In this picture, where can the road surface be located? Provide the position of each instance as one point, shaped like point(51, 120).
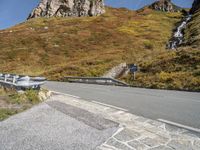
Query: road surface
point(174, 106)
point(55, 126)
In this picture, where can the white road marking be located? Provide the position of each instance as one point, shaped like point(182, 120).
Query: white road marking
point(115, 107)
point(66, 94)
point(179, 125)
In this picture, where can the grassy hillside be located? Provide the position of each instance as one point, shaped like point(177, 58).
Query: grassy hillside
point(175, 69)
point(57, 47)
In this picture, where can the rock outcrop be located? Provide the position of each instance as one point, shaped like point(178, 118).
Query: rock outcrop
point(117, 71)
point(195, 6)
point(68, 8)
point(165, 5)
point(192, 32)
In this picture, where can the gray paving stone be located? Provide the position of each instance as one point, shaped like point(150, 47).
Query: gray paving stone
point(118, 145)
point(104, 148)
point(137, 145)
point(127, 135)
point(153, 129)
point(196, 145)
point(151, 142)
point(173, 129)
point(162, 147)
point(141, 119)
point(155, 123)
point(192, 134)
point(180, 145)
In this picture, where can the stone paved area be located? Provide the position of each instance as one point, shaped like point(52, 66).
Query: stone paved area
point(135, 132)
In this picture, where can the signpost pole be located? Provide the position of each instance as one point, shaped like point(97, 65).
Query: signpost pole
point(134, 74)
point(133, 70)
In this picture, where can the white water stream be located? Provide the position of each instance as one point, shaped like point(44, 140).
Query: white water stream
point(178, 36)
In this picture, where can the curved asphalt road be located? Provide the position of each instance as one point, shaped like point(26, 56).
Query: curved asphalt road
point(175, 106)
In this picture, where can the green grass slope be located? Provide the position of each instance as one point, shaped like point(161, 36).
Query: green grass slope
point(178, 70)
point(57, 47)
point(175, 69)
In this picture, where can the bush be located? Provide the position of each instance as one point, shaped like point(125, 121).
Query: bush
point(5, 113)
point(32, 96)
point(12, 102)
point(148, 45)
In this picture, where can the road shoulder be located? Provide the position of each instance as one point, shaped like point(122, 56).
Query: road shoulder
point(136, 132)
point(68, 122)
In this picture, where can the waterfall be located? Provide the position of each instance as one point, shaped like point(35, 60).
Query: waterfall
point(178, 36)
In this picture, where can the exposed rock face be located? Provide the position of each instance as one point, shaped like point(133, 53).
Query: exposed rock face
point(165, 5)
point(68, 8)
point(195, 6)
point(117, 71)
point(192, 32)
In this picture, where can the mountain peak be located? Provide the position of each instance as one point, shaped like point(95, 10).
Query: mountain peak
point(68, 8)
point(165, 5)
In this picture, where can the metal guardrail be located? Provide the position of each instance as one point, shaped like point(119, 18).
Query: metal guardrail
point(20, 82)
point(95, 80)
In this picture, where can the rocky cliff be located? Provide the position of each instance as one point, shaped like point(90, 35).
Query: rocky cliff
point(165, 5)
point(192, 32)
point(195, 6)
point(68, 8)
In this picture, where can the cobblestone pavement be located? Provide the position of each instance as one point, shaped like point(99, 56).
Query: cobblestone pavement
point(136, 132)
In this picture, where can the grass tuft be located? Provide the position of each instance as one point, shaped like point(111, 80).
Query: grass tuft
point(12, 102)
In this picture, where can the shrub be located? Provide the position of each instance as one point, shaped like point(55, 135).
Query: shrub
point(32, 96)
point(13, 102)
point(148, 45)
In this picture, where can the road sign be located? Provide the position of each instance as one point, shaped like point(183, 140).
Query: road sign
point(133, 68)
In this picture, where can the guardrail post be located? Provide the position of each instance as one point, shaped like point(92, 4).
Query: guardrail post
point(5, 78)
